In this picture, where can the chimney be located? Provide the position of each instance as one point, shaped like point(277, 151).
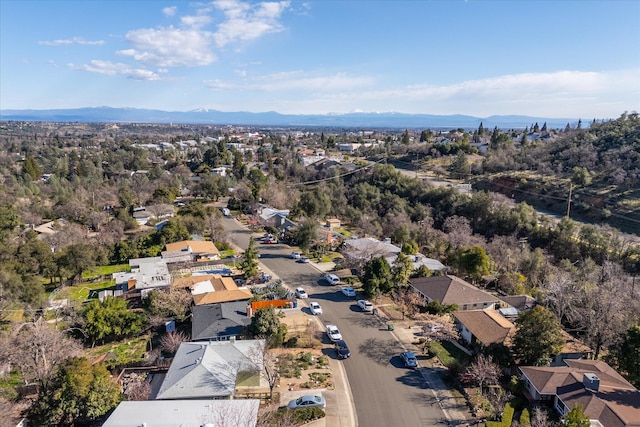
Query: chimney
point(591, 381)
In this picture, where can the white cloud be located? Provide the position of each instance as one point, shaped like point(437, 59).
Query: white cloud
point(553, 94)
point(170, 47)
point(190, 44)
point(116, 69)
point(73, 40)
point(248, 22)
point(294, 80)
point(195, 21)
point(170, 11)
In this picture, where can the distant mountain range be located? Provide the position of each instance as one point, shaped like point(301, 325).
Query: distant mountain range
point(349, 120)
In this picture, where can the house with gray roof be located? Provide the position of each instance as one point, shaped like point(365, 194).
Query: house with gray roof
point(367, 248)
point(214, 321)
point(146, 275)
point(204, 412)
point(215, 370)
point(449, 289)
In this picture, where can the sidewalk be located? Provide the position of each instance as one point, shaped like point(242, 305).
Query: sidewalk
point(453, 404)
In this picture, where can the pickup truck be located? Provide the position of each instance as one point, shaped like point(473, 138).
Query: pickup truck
point(365, 305)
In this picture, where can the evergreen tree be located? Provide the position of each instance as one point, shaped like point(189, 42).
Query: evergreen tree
point(78, 394)
point(250, 262)
point(31, 168)
point(377, 278)
point(576, 417)
point(538, 337)
point(406, 139)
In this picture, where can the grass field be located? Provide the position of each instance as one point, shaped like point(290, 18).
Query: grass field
point(104, 270)
point(126, 351)
point(84, 291)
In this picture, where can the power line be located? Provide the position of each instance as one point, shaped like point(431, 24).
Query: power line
point(316, 181)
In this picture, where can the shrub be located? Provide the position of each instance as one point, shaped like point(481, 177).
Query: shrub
point(525, 419)
point(507, 417)
point(305, 415)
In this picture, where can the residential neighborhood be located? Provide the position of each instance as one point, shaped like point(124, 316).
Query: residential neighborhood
point(228, 286)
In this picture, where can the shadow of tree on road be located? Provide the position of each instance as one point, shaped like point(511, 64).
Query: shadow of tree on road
point(364, 320)
point(380, 351)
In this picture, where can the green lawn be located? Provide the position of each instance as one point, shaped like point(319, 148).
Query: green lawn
point(441, 353)
point(8, 384)
point(127, 351)
point(84, 291)
point(104, 270)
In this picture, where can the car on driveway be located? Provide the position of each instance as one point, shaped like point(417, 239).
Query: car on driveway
point(307, 402)
point(348, 291)
point(333, 333)
point(295, 255)
point(332, 279)
point(315, 308)
point(342, 349)
point(409, 359)
point(365, 305)
point(301, 293)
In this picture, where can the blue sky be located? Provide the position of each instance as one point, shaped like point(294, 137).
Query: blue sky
point(578, 59)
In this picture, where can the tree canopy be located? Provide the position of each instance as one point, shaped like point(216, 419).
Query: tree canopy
point(538, 337)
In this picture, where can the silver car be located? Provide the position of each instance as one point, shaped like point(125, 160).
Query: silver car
point(307, 402)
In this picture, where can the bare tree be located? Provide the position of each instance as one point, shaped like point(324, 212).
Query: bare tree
point(459, 231)
point(231, 413)
point(498, 398)
point(407, 300)
point(262, 356)
point(36, 348)
point(138, 389)
point(437, 328)
point(171, 302)
point(216, 229)
point(600, 312)
point(540, 418)
point(560, 294)
point(482, 371)
point(171, 341)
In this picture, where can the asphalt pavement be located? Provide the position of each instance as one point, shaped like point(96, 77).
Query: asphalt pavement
point(372, 387)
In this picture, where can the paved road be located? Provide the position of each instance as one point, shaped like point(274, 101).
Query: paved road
point(385, 393)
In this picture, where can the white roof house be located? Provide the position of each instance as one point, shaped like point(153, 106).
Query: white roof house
point(213, 370)
point(146, 274)
point(206, 412)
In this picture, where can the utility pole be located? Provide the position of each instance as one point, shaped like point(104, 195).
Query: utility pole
point(569, 199)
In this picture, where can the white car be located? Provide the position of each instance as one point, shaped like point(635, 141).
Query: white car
point(333, 333)
point(332, 279)
point(301, 293)
point(315, 308)
point(295, 255)
point(365, 305)
point(348, 291)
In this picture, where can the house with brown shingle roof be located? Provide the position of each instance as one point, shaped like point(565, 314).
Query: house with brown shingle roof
point(481, 328)
point(224, 289)
point(448, 290)
point(191, 250)
point(606, 397)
